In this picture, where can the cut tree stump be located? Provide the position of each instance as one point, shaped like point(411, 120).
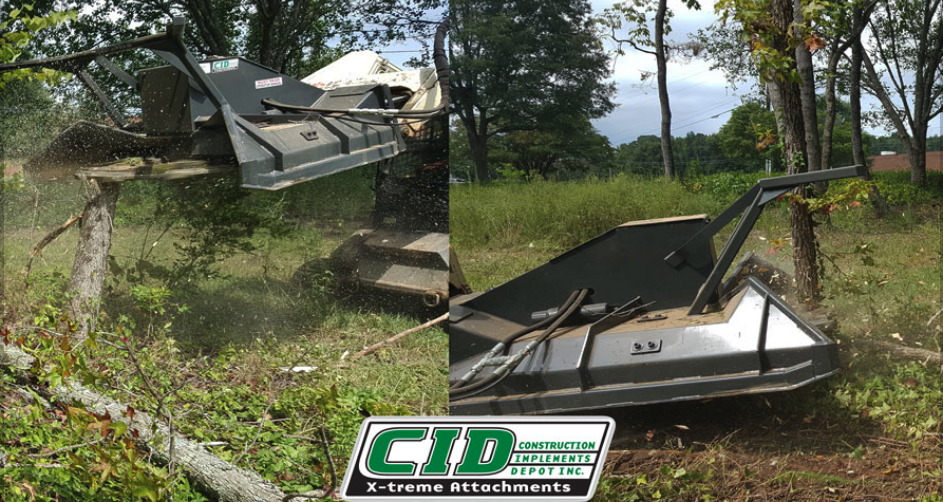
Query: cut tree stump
point(217, 479)
point(91, 256)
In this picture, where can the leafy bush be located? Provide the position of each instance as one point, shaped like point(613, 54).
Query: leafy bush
point(906, 401)
point(896, 187)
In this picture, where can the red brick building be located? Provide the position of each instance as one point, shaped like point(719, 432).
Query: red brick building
point(901, 163)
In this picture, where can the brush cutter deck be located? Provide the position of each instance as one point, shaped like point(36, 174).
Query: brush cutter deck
point(641, 331)
point(204, 117)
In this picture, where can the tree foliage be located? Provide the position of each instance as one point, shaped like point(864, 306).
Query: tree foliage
point(747, 134)
point(518, 63)
point(294, 37)
point(18, 28)
point(573, 146)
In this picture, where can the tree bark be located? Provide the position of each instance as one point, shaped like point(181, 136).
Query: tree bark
point(214, 477)
point(828, 126)
point(479, 155)
point(661, 57)
point(918, 155)
point(793, 133)
point(813, 151)
point(91, 256)
point(857, 145)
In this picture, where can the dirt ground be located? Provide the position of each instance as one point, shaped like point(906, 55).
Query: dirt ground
point(885, 471)
point(799, 445)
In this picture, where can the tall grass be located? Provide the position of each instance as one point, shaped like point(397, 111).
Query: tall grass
point(563, 214)
point(558, 215)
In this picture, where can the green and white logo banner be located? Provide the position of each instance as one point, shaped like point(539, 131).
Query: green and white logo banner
point(478, 458)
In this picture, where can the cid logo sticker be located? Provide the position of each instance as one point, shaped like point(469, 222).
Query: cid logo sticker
point(478, 458)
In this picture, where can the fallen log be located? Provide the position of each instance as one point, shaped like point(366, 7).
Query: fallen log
point(374, 347)
point(921, 355)
point(217, 479)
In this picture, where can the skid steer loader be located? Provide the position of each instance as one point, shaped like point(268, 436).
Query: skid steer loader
point(231, 116)
point(639, 315)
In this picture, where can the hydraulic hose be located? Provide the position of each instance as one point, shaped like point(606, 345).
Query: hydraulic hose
point(505, 369)
point(506, 342)
point(439, 110)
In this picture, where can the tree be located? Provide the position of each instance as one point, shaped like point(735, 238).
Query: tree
point(840, 137)
point(91, 256)
point(907, 43)
point(290, 36)
point(770, 25)
point(844, 31)
point(744, 135)
point(571, 144)
point(642, 156)
point(639, 38)
point(460, 164)
point(519, 63)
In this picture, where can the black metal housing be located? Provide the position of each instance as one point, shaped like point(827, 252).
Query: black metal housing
point(758, 344)
point(663, 343)
point(213, 111)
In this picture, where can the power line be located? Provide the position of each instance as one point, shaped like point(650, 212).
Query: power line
point(641, 98)
point(686, 76)
point(696, 114)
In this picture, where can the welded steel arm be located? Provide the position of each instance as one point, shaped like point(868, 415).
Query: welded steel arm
point(750, 205)
point(168, 45)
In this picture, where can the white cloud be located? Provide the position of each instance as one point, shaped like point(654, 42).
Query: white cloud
point(696, 92)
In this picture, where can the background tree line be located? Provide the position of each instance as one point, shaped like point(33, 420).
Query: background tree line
point(523, 100)
point(578, 151)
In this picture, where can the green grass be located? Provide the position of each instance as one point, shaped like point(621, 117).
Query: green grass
point(552, 215)
point(219, 343)
point(503, 230)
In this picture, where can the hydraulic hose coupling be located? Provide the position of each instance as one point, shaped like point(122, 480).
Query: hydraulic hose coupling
point(480, 365)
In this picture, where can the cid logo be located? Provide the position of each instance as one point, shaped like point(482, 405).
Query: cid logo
point(519, 459)
point(498, 442)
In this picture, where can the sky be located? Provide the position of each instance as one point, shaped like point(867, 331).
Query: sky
point(696, 92)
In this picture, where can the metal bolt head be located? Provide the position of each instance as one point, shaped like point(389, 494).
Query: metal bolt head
point(652, 344)
point(637, 346)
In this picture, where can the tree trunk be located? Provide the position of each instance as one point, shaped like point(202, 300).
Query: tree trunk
point(214, 477)
point(479, 155)
point(91, 256)
point(803, 236)
point(812, 150)
point(661, 58)
point(828, 126)
point(793, 133)
point(476, 128)
point(918, 157)
point(857, 145)
point(854, 95)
